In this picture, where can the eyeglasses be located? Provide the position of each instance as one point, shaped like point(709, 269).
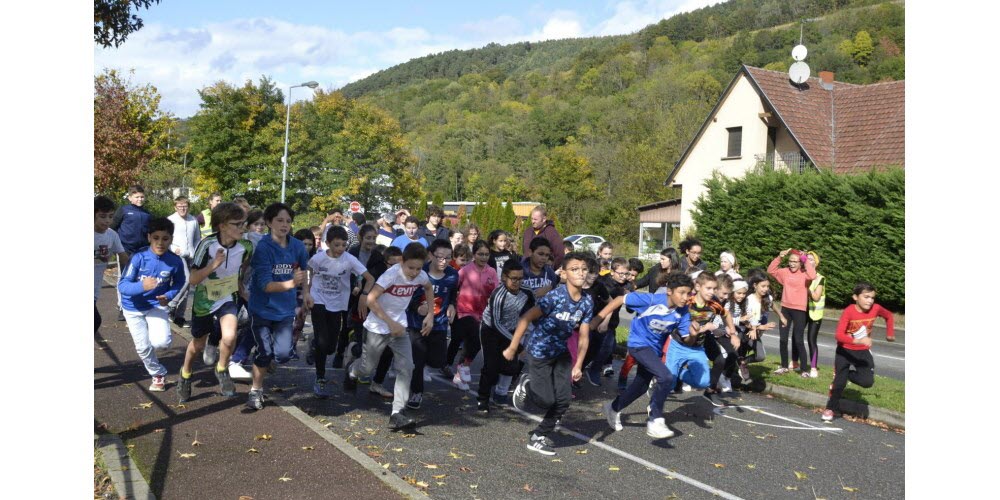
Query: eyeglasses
point(439, 257)
point(240, 224)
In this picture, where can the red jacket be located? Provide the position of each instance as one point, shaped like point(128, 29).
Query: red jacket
point(549, 232)
point(852, 320)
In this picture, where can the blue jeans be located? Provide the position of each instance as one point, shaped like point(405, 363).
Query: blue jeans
point(697, 372)
point(273, 339)
point(650, 366)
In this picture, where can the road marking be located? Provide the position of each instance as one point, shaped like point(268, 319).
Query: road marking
point(611, 449)
point(828, 346)
point(802, 425)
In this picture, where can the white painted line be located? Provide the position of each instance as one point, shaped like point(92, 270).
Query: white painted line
point(802, 425)
point(611, 449)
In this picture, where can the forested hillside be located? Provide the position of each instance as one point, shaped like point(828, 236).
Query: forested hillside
point(591, 126)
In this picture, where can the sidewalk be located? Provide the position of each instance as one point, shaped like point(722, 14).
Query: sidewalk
point(298, 458)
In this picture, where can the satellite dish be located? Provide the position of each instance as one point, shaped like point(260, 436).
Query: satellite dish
point(798, 73)
point(799, 52)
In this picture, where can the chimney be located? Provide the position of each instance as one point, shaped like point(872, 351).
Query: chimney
point(826, 79)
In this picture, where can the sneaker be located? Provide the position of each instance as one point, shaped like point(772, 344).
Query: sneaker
point(795, 366)
point(210, 355)
point(608, 370)
point(237, 372)
point(294, 356)
point(500, 398)
point(827, 415)
point(179, 321)
point(466, 373)
point(400, 420)
point(614, 417)
point(226, 384)
point(593, 376)
point(255, 400)
point(457, 380)
point(365, 380)
point(483, 406)
point(381, 391)
point(725, 385)
point(183, 389)
point(415, 399)
point(350, 383)
point(338, 361)
point(427, 376)
point(446, 371)
point(320, 389)
point(658, 429)
point(713, 398)
point(804, 374)
point(744, 372)
point(158, 384)
point(686, 388)
point(813, 373)
point(520, 398)
point(538, 443)
point(781, 371)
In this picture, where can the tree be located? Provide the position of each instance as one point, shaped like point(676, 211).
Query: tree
point(114, 20)
point(863, 48)
point(129, 131)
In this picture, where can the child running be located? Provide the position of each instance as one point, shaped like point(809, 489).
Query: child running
point(604, 334)
point(385, 327)
point(547, 382)
point(476, 282)
point(504, 309)
point(220, 263)
point(327, 297)
point(656, 317)
point(153, 277)
point(854, 343)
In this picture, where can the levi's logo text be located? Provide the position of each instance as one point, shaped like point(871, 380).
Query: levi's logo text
point(402, 290)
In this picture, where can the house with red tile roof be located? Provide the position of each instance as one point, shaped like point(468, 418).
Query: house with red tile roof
point(763, 120)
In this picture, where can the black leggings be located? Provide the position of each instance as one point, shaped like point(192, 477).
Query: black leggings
point(812, 335)
point(328, 327)
point(465, 333)
point(494, 364)
point(797, 323)
point(427, 350)
point(864, 374)
point(723, 356)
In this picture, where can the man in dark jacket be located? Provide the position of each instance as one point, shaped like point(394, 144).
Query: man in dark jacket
point(542, 226)
point(131, 222)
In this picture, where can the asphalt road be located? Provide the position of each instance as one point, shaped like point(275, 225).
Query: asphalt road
point(762, 448)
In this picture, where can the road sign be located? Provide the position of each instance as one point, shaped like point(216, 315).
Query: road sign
point(355, 206)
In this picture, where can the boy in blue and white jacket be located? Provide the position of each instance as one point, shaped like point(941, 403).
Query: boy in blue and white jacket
point(154, 276)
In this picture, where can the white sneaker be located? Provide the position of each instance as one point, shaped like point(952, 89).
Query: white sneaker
point(724, 384)
point(210, 355)
point(466, 373)
point(614, 417)
point(378, 389)
point(813, 373)
point(686, 388)
point(237, 372)
point(658, 429)
point(457, 380)
point(427, 376)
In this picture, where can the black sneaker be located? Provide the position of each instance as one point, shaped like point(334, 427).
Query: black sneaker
point(593, 375)
point(338, 361)
point(499, 399)
point(713, 398)
point(226, 384)
point(183, 389)
point(608, 370)
point(415, 400)
point(483, 406)
point(446, 371)
point(520, 398)
point(541, 445)
point(179, 321)
point(255, 400)
point(400, 420)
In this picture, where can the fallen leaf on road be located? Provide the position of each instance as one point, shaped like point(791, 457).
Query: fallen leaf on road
point(186, 455)
point(528, 488)
point(719, 466)
point(422, 484)
point(429, 466)
point(158, 430)
point(253, 450)
point(263, 437)
point(397, 449)
point(581, 452)
point(465, 469)
point(751, 466)
point(557, 460)
point(284, 478)
point(385, 466)
point(195, 442)
point(473, 486)
point(440, 483)
point(792, 488)
point(245, 497)
point(143, 406)
point(179, 406)
point(446, 433)
point(800, 475)
point(454, 455)
point(848, 488)
point(323, 420)
point(308, 448)
point(613, 468)
point(408, 436)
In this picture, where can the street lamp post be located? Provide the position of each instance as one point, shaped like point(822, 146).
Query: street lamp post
point(288, 114)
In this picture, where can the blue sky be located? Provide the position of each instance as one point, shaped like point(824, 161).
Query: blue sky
point(186, 45)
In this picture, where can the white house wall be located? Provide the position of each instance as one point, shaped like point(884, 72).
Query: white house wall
point(741, 108)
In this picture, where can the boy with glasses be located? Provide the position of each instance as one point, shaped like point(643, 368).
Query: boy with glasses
point(505, 307)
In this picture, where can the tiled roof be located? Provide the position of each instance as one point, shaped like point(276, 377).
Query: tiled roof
point(868, 119)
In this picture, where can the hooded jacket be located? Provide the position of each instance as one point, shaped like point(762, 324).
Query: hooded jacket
point(550, 233)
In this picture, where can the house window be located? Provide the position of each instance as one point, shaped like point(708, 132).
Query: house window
point(735, 142)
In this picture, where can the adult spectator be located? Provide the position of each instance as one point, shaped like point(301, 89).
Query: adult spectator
point(433, 230)
point(401, 216)
point(205, 217)
point(385, 231)
point(669, 262)
point(541, 225)
point(187, 234)
point(691, 250)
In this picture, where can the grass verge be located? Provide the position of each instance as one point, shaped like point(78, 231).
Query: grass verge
point(104, 488)
point(887, 393)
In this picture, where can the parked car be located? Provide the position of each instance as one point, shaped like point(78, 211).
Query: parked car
point(583, 242)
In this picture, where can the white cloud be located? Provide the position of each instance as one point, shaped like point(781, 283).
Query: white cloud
point(631, 16)
point(562, 24)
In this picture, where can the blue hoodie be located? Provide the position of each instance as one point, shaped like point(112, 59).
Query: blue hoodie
point(271, 262)
point(168, 269)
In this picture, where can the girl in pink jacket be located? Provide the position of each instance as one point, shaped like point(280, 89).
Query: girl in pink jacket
point(794, 304)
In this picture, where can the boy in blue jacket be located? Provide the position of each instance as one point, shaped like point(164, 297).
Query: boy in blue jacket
point(153, 277)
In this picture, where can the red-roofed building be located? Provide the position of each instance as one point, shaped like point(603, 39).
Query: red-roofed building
point(763, 119)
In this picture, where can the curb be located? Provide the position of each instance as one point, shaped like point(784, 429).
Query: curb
point(124, 473)
point(888, 417)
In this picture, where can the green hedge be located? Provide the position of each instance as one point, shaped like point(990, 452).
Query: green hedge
point(854, 222)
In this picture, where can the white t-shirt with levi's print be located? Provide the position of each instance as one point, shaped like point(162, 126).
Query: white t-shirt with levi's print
point(395, 298)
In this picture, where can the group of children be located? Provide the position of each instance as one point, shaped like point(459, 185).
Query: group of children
point(374, 307)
